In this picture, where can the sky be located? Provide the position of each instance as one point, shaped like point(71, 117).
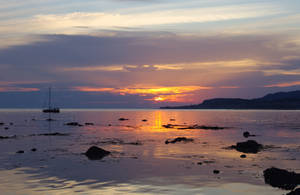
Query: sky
point(146, 53)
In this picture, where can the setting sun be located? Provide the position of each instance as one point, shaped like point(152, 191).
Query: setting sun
point(159, 99)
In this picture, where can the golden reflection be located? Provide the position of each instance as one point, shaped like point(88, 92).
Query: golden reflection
point(158, 120)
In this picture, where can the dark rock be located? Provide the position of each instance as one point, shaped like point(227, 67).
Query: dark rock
point(246, 134)
point(6, 128)
point(281, 178)
point(109, 125)
point(295, 192)
point(11, 123)
point(20, 152)
point(95, 153)
point(199, 163)
point(33, 149)
point(243, 156)
point(53, 134)
point(179, 139)
point(216, 171)
point(123, 119)
point(209, 161)
point(2, 123)
point(249, 146)
point(8, 137)
point(168, 126)
point(144, 120)
point(89, 124)
point(172, 119)
point(73, 124)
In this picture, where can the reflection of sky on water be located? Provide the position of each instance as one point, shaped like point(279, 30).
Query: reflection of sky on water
point(154, 167)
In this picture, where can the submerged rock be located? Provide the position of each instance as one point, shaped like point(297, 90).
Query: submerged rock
point(2, 123)
point(73, 124)
point(249, 146)
point(179, 139)
point(144, 120)
point(89, 124)
point(33, 149)
point(53, 134)
point(95, 153)
point(182, 127)
point(123, 119)
point(20, 152)
point(243, 156)
point(281, 178)
point(216, 171)
point(8, 137)
point(246, 134)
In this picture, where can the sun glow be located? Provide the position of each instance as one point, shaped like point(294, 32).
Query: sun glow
point(158, 99)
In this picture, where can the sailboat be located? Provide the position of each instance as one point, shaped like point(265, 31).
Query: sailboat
point(50, 109)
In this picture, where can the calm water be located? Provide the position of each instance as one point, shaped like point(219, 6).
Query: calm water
point(58, 166)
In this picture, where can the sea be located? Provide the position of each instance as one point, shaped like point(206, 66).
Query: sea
point(38, 156)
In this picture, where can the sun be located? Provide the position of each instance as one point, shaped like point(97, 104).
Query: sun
point(159, 99)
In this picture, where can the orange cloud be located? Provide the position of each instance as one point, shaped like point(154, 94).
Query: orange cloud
point(287, 84)
point(174, 94)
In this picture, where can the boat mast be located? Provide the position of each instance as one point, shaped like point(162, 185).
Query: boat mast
point(49, 102)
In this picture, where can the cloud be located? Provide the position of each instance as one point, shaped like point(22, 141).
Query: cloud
point(284, 84)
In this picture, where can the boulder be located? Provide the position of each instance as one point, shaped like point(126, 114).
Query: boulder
point(249, 146)
point(295, 192)
point(281, 178)
point(95, 153)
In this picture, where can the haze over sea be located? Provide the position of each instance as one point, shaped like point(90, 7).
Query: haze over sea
point(140, 162)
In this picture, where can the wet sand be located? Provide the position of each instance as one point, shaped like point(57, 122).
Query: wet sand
point(140, 161)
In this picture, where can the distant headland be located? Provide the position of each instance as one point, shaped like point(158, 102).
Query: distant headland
point(277, 101)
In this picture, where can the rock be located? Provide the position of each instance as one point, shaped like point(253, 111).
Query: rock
point(109, 125)
point(95, 153)
point(144, 120)
point(2, 123)
point(8, 137)
point(11, 123)
point(246, 134)
point(243, 156)
point(33, 149)
point(6, 128)
point(52, 134)
point(73, 124)
point(295, 192)
point(179, 139)
point(172, 119)
point(216, 171)
point(89, 124)
point(281, 178)
point(123, 119)
point(20, 152)
point(199, 163)
point(249, 146)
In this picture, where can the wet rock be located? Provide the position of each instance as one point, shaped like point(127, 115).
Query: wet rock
point(199, 163)
point(209, 161)
point(11, 123)
point(216, 171)
point(168, 126)
point(95, 153)
point(281, 178)
point(109, 125)
point(33, 149)
point(73, 124)
point(53, 134)
point(123, 119)
point(2, 123)
point(144, 120)
point(295, 192)
point(89, 124)
point(8, 137)
point(243, 156)
point(246, 134)
point(20, 152)
point(182, 127)
point(179, 139)
point(249, 146)
point(6, 128)
point(172, 119)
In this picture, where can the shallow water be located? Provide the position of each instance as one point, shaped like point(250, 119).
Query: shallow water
point(58, 166)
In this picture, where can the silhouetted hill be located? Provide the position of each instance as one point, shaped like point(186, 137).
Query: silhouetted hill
point(280, 101)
